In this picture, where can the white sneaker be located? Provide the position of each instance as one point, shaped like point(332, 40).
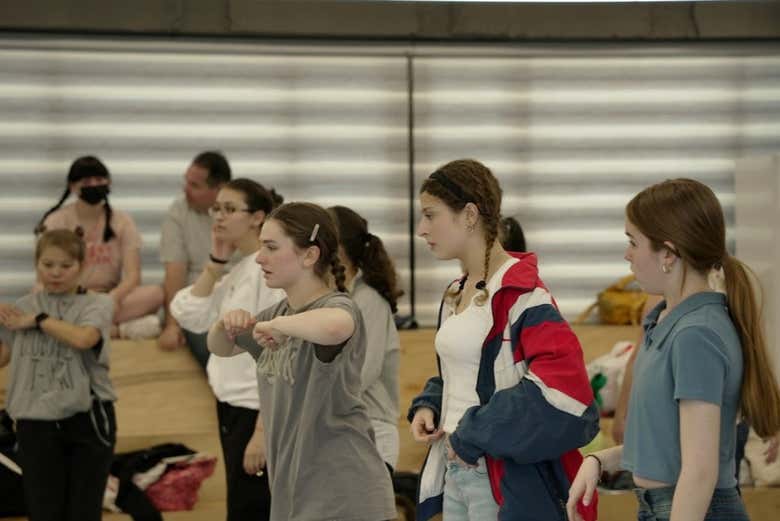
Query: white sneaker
point(140, 328)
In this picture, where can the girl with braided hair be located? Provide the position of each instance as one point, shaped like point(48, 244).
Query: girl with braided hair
point(512, 403)
point(372, 283)
point(321, 459)
point(113, 257)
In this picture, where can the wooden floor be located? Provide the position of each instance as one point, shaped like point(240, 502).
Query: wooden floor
point(164, 397)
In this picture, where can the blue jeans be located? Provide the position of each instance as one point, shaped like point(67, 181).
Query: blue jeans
point(656, 505)
point(467, 494)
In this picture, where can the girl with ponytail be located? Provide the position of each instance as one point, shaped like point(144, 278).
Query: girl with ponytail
point(372, 282)
point(310, 349)
point(512, 403)
point(702, 364)
point(113, 262)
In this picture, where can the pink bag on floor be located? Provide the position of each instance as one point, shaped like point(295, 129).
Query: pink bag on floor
point(177, 489)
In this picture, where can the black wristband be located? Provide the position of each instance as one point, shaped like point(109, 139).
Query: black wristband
point(40, 317)
point(216, 260)
point(601, 465)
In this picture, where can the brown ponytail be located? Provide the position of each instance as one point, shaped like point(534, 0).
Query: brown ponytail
point(687, 213)
point(367, 253)
point(760, 398)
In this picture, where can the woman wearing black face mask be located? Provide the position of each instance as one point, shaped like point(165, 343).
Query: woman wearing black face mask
point(113, 263)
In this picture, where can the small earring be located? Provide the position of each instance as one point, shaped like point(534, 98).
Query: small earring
point(665, 268)
point(470, 228)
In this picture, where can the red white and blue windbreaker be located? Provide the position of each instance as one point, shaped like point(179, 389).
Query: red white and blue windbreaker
point(536, 407)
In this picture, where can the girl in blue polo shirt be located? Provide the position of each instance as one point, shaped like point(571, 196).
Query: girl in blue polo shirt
point(703, 362)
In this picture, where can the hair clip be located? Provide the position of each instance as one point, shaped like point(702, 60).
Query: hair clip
point(314, 233)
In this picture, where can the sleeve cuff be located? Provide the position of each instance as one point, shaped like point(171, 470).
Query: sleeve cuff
point(423, 403)
point(465, 451)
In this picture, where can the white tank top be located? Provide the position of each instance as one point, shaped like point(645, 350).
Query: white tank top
point(459, 346)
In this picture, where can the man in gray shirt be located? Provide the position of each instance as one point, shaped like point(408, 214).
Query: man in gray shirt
point(185, 242)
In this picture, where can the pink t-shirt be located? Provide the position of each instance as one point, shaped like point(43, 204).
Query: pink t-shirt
point(103, 269)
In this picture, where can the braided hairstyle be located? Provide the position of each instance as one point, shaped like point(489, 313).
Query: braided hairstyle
point(83, 167)
point(308, 225)
point(466, 181)
point(367, 252)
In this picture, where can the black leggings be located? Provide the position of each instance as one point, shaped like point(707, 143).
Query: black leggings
point(65, 464)
point(248, 497)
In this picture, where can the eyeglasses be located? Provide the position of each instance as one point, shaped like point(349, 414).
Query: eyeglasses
point(226, 210)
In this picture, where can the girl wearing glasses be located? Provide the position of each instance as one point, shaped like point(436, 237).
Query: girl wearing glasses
point(239, 212)
point(113, 257)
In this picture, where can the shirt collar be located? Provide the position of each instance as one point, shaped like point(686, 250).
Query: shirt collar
point(655, 333)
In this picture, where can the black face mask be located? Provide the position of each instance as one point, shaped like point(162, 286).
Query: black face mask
point(93, 194)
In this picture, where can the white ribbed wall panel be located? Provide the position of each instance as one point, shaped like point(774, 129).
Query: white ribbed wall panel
point(328, 128)
point(572, 131)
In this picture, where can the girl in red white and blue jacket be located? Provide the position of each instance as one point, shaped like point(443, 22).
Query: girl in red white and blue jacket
point(512, 403)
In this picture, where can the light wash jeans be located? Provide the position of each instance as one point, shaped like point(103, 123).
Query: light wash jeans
point(656, 505)
point(467, 494)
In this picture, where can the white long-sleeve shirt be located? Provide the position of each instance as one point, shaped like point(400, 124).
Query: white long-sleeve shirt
point(233, 379)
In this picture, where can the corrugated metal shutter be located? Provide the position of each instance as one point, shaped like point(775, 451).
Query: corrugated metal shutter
point(572, 131)
point(329, 128)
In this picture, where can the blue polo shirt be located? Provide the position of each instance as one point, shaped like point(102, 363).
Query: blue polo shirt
point(694, 353)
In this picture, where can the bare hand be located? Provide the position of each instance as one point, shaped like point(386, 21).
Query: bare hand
point(269, 337)
point(254, 454)
point(423, 428)
point(171, 338)
point(14, 319)
point(453, 456)
point(583, 487)
point(237, 322)
point(770, 454)
point(5, 355)
point(221, 248)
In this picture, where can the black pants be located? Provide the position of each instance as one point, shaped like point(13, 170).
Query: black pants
point(198, 346)
point(248, 496)
point(65, 464)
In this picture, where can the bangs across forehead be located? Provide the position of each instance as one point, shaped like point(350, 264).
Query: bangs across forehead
point(85, 167)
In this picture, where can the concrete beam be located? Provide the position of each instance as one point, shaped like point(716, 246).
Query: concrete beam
point(398, 20)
